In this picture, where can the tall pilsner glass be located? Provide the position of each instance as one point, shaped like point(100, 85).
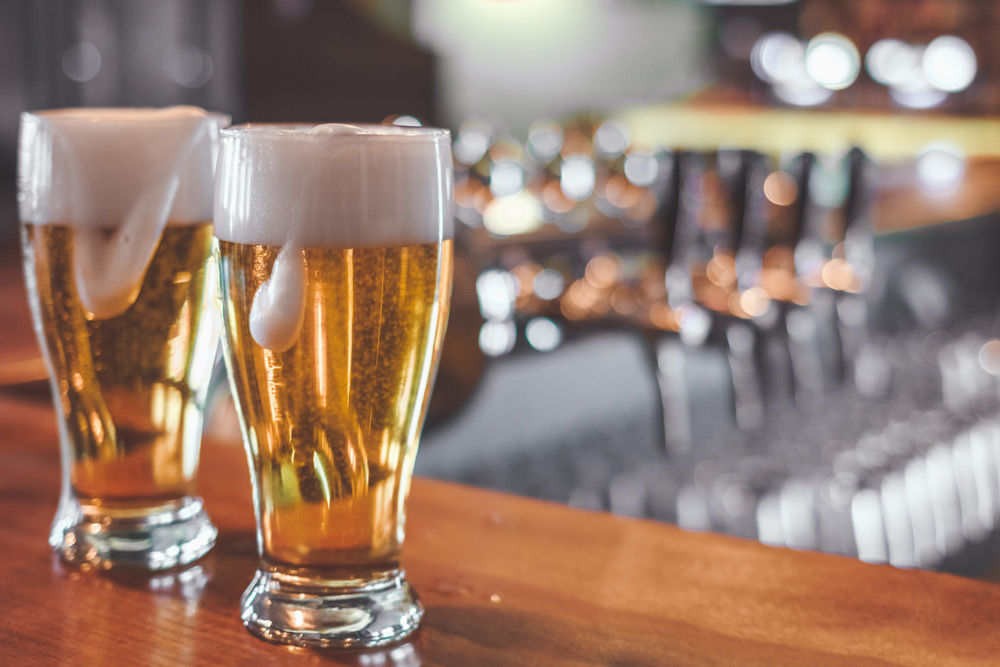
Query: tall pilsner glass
point(335, 257)
point(116, 233)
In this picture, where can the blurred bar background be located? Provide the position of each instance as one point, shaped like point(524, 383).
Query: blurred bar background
point(729, 264)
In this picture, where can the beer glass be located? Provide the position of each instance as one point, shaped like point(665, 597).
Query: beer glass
point(116, 234)
point(335, 259)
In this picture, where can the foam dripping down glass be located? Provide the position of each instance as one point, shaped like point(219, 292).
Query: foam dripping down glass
point(335, 264)
point(116, 232)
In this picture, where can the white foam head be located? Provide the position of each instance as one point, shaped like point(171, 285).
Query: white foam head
point(124, 171)
point(91, 167)
point(334, 185)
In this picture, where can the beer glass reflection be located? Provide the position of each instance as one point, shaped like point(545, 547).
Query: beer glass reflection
point(116, 236)
point(335, 265)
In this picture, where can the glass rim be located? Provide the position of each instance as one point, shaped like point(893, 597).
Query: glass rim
point(120, 115)
point(306, 131)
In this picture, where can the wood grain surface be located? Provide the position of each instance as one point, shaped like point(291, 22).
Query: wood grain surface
point(505, 581)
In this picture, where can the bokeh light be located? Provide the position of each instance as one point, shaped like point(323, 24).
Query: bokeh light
point(892, 61)
point(602, 270)
point(949, 63)
point(610, 139)
point(694, 323)
point(516, 214)
point(780, 188)
point(473, 140)
point(506, 178)
point(832, 60)
point(641, 169)
point(755, 301)
point(940, 166)
point(777, 56)
point(497, 338)
point(189, 66)
point(548, 284)
point(545, 139)
point(81, 62)
point(577, 177)
point(497, 290)
point(780, 59)
point(543, 334)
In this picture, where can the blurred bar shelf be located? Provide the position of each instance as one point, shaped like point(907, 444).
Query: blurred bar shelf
point(883, 135)
point(894, 140)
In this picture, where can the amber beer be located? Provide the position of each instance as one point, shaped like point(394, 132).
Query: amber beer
point(335, 259)
point(335, 418)
point(117, 243)
point(129, 384)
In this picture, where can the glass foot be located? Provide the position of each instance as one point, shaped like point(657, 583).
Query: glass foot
point(154, 539)
point(290, 610)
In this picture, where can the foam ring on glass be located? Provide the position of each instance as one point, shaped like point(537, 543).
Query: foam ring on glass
point(116, 209)
point(335, 262)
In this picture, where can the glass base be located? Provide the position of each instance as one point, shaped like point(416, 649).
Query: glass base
point(291, 610)
point(156, 538)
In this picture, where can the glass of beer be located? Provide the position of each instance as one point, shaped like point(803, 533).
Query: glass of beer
point(116, 234)
point(335, 259)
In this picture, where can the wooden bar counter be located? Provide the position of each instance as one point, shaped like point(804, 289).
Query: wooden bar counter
point(505, 581)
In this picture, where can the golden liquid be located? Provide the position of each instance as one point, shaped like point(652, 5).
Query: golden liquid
point(332, 423)
point(131, 388)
